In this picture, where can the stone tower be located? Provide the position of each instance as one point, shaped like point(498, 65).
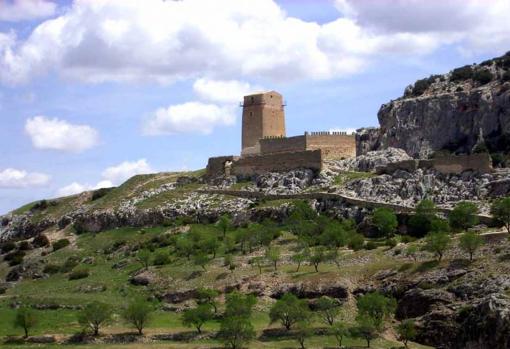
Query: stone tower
point(263, 116)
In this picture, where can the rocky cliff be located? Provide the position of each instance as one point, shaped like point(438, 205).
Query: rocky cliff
point(455, 112)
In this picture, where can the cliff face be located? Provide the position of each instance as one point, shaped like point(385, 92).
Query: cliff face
point(451, 112)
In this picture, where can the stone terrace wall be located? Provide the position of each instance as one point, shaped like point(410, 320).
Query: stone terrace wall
point(281, 144)
point(216, 166)
point(334, 145)
point(278, 162)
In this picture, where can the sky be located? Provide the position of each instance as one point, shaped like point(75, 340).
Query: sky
point(93, 92)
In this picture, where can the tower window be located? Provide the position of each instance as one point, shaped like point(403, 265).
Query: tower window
point(252, 99)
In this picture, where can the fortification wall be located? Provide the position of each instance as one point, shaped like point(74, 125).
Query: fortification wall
point(218, 166)
point(334, 145)
point(281, 144)
point(445, 164)
point(277, 162)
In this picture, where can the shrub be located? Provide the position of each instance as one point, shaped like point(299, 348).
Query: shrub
point(161, 258)
point(356, 242)
point(7, 247)
point(462, 73)
point(420, 87)
point(59, 244)
point(459, 89)
point(99, 193)
point(463, 216)
point(506, 76)
point(51, 269)
point(14, 258)
point(483, 76)
point(79, 274)
point(41, 241)
point(70, 264)
point(500, 210)
point(385, 220)
point(391, 243)
point(370, 245)
point(407, 239)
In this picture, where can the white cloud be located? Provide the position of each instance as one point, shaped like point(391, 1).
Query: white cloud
point(119, 173)
point(58, 134)
point(164, 41)
point(112, 176)
point(190, 117)
point(223, 91)
point(21, 10)
point(13, 178)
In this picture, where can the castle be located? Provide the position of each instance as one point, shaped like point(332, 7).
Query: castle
point(266, 148)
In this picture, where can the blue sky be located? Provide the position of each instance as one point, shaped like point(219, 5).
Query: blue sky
point(92, 92)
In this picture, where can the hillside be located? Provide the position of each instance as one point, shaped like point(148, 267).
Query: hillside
point(373, 250)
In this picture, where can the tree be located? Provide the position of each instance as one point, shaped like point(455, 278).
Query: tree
point(303, 331)
point(299, 258)
point(335, 235)
point(95, 315)
point(500, 210)
point(144, 257)
point(209, 245)
point(224, 224)
point(317, 257)
point(184, 247)
point(385, 220)
point(288, 310)
point(366, 328)
point(463, 216)
point(207, 296)
point(411, 251)
point(138, 313)
point(437, 243)
point(406, 331)
point(198, 316)
point(328, 309)
point(25, 319)
point(340, 331)
point(258, 262)
point(469, 242)
point(273, 255)
point(375, 306)
point(425, 213)
point(236, 328)
point(201, 259)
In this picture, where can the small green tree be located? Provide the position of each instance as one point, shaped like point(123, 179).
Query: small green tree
point(258, 262)
point(95, 315)
point(144, 257)
point(138, 313)
point(317, 256)
point(224, 224)
point(463, 216)
point(201, 259)
point(198, 316)
point(184, 247)
point(406, 331)
point(288, 310)
point(207, 296)
point(299, 258)
point(328, 309)
point(469, 242)
point(340, 331)
point(425, 213)
point(375, 306)
point(500, 210)
point(302, 331)
point(273, 255)
point(385, 220)
point(366, 328)
point(236, 328)
point(437, 243)
point(25, 319)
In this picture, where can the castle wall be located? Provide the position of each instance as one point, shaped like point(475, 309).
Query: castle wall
point(280, 145)
point(277, 162)
point(217, 166)
point(334, 145)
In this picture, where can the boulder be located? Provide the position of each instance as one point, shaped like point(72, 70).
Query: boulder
point(417, 302)
point(143, 278)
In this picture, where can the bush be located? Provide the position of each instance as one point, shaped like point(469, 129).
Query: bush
point(99, 193)
point(506, 76)
point(79, 274)
point(70, 264)
point(391, 243)
point(483, 76)
point(420, 87)
point(51, 269)
point(7, 247)
point(25, 246)
point(59, 244)
point(41, 241)
point(370, 245)
point(407, 239)
point(161, 258)
point(463, 216)
point(462, 73)
point(15, 258)
point(356, 242)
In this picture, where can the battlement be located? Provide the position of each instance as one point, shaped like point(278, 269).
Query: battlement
point(328, 133)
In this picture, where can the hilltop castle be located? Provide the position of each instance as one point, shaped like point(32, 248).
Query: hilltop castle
point(266, 148)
